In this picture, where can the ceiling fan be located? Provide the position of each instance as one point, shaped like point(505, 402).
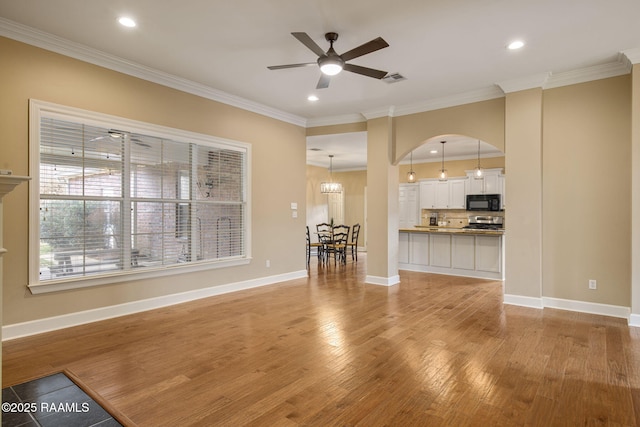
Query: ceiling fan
point(331, 63)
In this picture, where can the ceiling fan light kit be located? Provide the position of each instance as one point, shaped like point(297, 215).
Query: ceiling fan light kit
point(331, 63)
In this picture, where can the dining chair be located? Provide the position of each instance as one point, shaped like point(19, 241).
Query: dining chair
point(337, 247)
point(353, 243)
point(341, 228)
point(323, 227)
point(310, 245)
point(324, 232)
point(340, 235)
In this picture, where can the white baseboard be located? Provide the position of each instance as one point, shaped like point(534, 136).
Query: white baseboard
point(523, 301)
point(588, 307)
point(39, 326)
point(573, 305)
point(382, 281)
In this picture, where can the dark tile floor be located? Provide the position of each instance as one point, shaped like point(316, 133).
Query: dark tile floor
point(53, 401)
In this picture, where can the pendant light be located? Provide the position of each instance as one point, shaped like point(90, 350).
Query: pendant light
point(478, 172)
point(330, 187)
point(411, 176)
point(443, 172)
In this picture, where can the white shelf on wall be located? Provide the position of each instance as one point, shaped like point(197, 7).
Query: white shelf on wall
point(9, 182)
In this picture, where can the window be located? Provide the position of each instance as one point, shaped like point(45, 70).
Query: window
point(117, 197)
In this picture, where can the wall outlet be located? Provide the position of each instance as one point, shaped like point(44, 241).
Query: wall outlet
point(268, 263)
point(593, 284)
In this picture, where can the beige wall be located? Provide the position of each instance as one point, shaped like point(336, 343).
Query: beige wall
point(335, 129)
point(587, 191)
point(523, 183)
point(354, 184)
point(278, 173)
point(317, 205)
point(382, 203)
point(482, 120)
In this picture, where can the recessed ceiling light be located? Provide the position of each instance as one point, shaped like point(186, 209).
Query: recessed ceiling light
point(514, 45)
point(312, 98)
point(434, 151)
point(127, 22)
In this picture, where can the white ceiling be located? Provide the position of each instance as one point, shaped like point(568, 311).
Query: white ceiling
point(447, 49)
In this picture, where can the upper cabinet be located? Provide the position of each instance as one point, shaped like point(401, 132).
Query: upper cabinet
point(448, 194)
point(490, 183)
point(457, 193)
point(428, 194)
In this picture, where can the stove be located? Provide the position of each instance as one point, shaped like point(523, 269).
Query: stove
point(485, 223)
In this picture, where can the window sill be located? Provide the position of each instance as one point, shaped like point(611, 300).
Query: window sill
point(66, 284)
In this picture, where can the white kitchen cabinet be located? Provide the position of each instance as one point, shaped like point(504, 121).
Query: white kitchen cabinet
point(408, 205)
point(419, 249)
point(440, 250)
point(457, 194)
point(428, 194)
point(448, 194)
point(489, 183)
point(489, 253)
point(457, 253)
point(442, 195)
point(403, 248)
point(463, 249)
point(413, 249)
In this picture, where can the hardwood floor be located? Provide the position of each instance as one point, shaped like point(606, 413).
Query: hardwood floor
point(332, 351)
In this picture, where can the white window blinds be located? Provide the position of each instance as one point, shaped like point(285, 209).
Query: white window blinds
point(117, 201)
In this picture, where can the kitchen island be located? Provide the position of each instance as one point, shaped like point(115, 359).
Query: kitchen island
point(454, 251)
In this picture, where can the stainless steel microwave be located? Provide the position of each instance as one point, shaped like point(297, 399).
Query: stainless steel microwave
point(483, 202)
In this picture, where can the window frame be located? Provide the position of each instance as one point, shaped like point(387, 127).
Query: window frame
point(39, 109)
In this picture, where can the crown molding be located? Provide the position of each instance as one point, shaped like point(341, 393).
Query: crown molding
point(336, 120)
point(485, 94)
point(631, 55)
point(50, 42)
point(530, 82)
point(582, 75)
point(379, 112)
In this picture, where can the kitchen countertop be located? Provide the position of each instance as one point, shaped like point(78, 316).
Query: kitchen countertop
point(452, 230)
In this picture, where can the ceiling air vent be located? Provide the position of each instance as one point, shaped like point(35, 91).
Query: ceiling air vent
point(393, 78)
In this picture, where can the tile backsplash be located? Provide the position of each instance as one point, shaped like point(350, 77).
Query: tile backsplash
point(453, 217)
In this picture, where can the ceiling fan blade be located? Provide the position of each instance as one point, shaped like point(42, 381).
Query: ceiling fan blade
point(308, 42)
point(323, 83)
point(372, 46)
point(369, 72)
point(280, 67)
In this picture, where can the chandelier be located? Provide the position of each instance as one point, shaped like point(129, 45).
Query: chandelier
point(330, 187)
